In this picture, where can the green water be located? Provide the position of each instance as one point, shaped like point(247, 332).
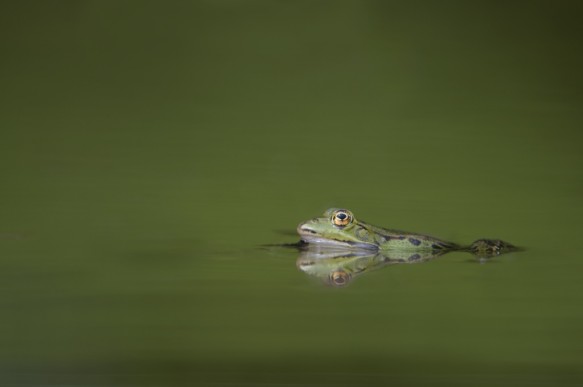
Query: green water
point(149, 149)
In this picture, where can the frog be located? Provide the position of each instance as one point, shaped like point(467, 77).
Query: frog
point(338, 228)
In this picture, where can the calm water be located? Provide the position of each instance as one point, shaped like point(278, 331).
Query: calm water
point(150, 149)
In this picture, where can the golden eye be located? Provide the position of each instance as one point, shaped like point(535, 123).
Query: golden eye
point(341, 218)
point(339, 278)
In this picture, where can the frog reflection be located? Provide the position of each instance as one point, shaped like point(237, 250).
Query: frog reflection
point(338, 267)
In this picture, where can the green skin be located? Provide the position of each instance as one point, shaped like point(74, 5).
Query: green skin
point(358, 235)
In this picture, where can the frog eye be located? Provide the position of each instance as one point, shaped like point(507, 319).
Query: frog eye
point(339, 278)
point(341, 218)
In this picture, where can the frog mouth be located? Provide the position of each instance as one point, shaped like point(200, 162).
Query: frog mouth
point(310, 236)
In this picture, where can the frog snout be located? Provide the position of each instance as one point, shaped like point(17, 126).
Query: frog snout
point(304, 228)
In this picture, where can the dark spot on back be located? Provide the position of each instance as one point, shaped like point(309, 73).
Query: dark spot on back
point(414, 241)
point(414, 257)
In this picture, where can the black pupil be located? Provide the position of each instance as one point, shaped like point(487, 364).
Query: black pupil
point(342, 216)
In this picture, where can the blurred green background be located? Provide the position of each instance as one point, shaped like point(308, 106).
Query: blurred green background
point(148, 149)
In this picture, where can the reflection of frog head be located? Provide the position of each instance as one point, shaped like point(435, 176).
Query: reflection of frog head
point(338, 228)
point(334, 267)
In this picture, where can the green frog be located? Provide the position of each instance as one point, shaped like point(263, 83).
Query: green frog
point(338, 228)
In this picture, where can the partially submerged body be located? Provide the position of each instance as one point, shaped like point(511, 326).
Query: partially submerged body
point(338, 228)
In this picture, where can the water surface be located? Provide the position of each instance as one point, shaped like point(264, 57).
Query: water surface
point(150, 150)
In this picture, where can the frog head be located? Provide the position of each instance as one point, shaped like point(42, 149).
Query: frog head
point(337, 228)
